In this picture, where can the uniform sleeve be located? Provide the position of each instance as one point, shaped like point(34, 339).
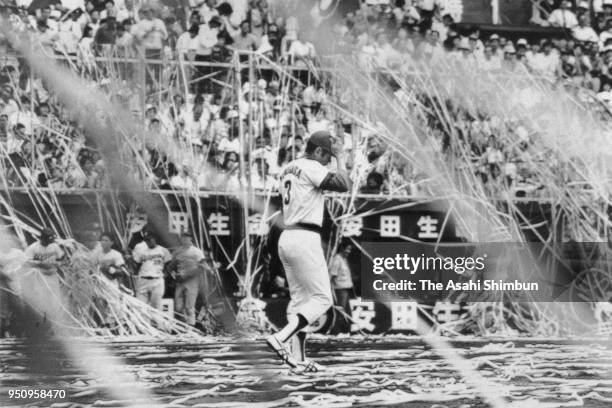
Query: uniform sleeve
point(119, 261)
point(59, 254)
point(167, 255)
point(317, 173)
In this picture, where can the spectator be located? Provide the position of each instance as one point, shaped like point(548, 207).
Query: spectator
point(70, 32)
point(208, 10)
point(563, 16)
point(301, 53)
point(204, 43)
point(45, 254)
point(46, 38)
point(262, 180)
point(584, 32)
point(85, 51)
point(186, 45)
point(342, 283)
point(490, 62)
point(125, 46)
point(374, 183)
point(107, 34)
point(197, 123)
point(231, 170)
point(19, 170)
point(150, 259)
point(151, 34)
point(545, 62)
point(183, 180)
point(110, 261)
point(8, 105)
point(244, 40)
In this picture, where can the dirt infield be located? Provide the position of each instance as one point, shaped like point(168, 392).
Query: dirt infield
point(360, 371)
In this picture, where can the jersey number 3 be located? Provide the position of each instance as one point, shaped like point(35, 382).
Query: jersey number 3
point(287, 195)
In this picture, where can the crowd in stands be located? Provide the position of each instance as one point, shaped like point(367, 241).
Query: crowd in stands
point(42, 145)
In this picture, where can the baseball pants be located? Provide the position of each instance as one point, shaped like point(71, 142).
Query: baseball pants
point(302, 256)
point(150, 291)
point(185, 296)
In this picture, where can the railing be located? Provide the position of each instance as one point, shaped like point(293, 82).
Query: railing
point(208, 193)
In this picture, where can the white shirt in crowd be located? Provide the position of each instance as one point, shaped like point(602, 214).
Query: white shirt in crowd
point(73, 4)
point(152, 33)
point(605, 97)
point(603, 37)
point(207, 13)
point(545, 64)
point(194, 130)
point(563, 18)
point(205, 40)
point(182, 182)
point(339, 269)
point(299, 50)
point(106, 259)
point(152, 259)
point(585, 34)
point(493, 63)
point(185, 44)
point(9, 107)
point(266, 183)
point(226, 145)
point(302, 197)
point(70, 32)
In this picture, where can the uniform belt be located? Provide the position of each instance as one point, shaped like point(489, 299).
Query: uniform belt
point(150, 277)
point(305, 226)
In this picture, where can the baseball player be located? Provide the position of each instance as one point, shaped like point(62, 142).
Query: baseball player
point(151, 259)
point(44, 288)
point(302, 183)
point(188, 266)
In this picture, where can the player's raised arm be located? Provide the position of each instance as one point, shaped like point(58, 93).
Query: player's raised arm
point(338, 180)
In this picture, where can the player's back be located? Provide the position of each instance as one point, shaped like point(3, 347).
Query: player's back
point(303, 200)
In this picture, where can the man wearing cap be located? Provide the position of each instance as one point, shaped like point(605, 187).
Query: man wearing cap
point(490, 62)
point(523, 54)
point(150, 259)
point(187, 266)
point(45, 255)
point(302, 183)
point(582, 8)
point(495, 49)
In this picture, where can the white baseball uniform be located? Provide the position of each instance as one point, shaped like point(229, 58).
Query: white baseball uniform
point(300, 249)
point(150, 284)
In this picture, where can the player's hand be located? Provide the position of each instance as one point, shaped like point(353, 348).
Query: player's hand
point(337, 147)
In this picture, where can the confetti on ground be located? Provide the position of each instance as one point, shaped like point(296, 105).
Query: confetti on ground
point(363, 371)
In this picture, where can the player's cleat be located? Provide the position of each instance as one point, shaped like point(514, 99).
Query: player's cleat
point(308, 366)
point(281, 351)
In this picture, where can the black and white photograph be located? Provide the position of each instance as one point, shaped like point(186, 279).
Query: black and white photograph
point(306, 203)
